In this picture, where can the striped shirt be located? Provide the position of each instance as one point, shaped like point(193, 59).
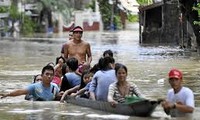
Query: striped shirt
point(115, 93)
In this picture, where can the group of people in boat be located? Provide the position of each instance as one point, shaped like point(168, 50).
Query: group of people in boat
point(73, 75)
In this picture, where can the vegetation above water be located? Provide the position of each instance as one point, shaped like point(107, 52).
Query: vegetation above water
point(106, 10)
point(4, 9)
point(197, 7)
point(109, 14)
point(13, 12)
point(133, 18)
point(144, 2)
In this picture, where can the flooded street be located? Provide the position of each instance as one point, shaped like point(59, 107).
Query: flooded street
point(147, 67)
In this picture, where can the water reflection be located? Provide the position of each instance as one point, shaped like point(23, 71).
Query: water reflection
point(148, 67)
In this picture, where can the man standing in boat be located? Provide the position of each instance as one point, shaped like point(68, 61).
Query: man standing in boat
point(180, 99)
point(78, 48)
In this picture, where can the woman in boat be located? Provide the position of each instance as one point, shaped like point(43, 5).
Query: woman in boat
point(106, 53)
point(102, 79)
point(121, 88)
point(58, 70)
point(37, 78)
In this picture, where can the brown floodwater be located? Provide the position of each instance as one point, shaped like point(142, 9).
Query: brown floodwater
point(147, 67)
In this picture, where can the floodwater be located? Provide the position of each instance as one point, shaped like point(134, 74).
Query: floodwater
point(147, 67)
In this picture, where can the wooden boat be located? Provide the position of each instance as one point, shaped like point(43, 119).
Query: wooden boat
point(143, 108)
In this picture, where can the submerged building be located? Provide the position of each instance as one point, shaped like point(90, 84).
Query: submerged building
point(169, 22)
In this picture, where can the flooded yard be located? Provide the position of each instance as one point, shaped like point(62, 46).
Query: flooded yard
point(147, 67)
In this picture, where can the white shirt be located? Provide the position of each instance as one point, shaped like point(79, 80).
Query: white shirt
point(185, 96)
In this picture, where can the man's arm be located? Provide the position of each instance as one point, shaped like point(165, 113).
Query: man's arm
point(65, 47)
point(183, 108)
point(62, 50)
point(15, 93)
point(179, 106)
point(67, 92)
point(167, 106)
point(92, 88)
point(89, 54)
point(92, 96)
point(189, 107)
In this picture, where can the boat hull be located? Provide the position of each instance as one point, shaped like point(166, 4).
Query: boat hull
point(142, 108)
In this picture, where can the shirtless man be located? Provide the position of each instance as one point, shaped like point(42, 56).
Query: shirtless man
point(78, 48)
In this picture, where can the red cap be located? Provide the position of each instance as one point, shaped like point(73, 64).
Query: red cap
point(78, 28)
point(174, 73)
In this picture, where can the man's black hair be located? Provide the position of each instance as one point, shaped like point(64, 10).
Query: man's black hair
point(47, 67)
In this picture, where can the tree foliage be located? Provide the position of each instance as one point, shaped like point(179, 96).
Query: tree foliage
point(28, 26)
point(132, 18)
point(106, 12)
point(91, 5)
point(13, 12)
point(4, 9)
point(62, 6)
point(144, 2)
point(197, 7)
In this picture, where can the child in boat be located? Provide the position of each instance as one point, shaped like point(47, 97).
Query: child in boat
point(83, 88)
point(85, 84)
point(37, 78)
point(121, 88)
point(106, 53)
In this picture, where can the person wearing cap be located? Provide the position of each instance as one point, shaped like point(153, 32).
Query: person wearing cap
point(180, 99)
point(78, 48)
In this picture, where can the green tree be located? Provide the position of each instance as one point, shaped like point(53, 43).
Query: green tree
point(197, 8)
point(106, 12)
point(4, 9)
point(91, 5)
point(144, 2)
point(14, 15)
point(28, 26)
point(46, 8)
point(13, 12)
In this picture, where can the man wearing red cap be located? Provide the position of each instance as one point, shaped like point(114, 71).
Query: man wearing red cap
point(78, 48)
point(180, 99)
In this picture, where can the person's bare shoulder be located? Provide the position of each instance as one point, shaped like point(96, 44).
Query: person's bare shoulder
point(85, 43)
point(67, 43)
